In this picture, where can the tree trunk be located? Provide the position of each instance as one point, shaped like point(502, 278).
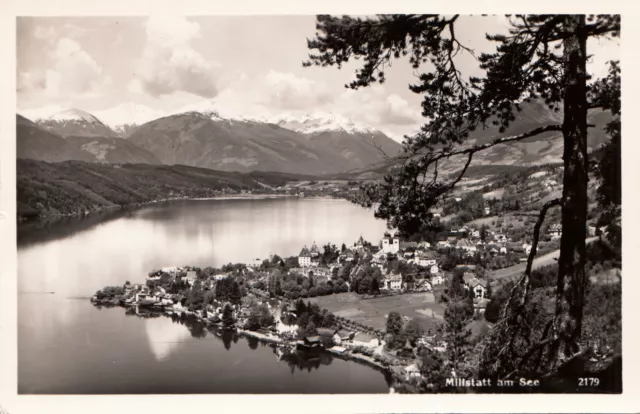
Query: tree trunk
point(571, 274)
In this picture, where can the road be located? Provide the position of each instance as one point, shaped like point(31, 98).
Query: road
point(540, 261)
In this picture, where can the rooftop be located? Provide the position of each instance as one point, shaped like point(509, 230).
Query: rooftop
point(314, 248)
point(327, 332)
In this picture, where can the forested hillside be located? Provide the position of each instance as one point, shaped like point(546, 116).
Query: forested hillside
point(76, 187)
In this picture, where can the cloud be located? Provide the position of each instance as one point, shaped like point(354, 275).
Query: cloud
point(376, 107)
point(288, 91)
point(72, 73)
point(44, 112)
point(169, 62)
point(275, 91)
point(280, 95)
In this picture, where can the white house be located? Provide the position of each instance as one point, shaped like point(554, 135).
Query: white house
point(412, 371)
point(220, 276)
point(527, 248)
point(437, 279)
point(478, 286)
point(390, 244)
point(191, 277)
point(304, 258)
point(426, 259)
point(434, 269)
point(487, 211)
point(393, 282)
point(503, 250)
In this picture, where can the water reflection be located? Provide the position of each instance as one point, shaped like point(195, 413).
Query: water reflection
point(163, 340)
point(63, 341)
point(253, 342)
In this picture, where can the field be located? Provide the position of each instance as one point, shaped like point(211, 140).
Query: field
point(373, 312)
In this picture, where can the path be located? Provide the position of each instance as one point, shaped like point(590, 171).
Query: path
point(540, 261)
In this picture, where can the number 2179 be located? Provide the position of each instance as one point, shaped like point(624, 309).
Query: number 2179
point(588, 382)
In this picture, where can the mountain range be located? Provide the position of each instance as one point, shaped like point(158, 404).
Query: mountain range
point(46, 144)
point(206, 139)
point(314, 144)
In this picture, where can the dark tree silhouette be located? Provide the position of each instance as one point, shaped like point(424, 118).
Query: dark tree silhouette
point(543, 57)
point(228, 320)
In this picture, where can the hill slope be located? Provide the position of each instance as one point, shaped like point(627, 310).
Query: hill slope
point(36, 143)
point(112, 150)
point(76, 187)
point(545, 148)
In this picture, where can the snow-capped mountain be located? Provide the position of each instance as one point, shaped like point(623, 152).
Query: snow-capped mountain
point(320, 122)
point(221, 113)
point(303, 122)
point(75, 122)
point(73, 114)
point(125, 118)
point(223, 138)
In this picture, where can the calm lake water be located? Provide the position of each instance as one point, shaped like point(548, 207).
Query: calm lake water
point(68, 346)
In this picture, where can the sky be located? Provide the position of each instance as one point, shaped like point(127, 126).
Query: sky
point(134, 69)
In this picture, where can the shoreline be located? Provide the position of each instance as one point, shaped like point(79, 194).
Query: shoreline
point(36, 218)
point(346, 354)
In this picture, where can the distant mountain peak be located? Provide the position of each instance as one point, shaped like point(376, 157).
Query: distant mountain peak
point(75, 122)
point(73, 114)
point(306, 123)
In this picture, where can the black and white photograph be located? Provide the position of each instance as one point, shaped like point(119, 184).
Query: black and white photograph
point(318, 204)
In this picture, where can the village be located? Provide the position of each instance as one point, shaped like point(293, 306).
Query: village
point(351, 294)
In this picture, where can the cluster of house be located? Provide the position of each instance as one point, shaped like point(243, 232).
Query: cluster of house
point(416, 253)
point(468, 239)
point(155, 295)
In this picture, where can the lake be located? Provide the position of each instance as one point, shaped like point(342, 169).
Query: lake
point(68, 346)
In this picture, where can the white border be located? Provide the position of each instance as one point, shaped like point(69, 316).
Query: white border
point(12, 403)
